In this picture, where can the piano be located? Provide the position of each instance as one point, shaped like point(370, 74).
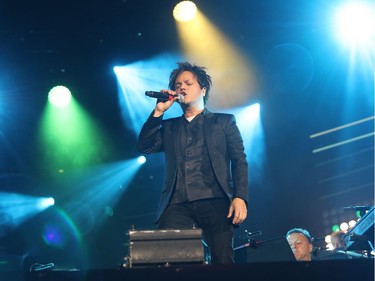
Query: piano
point(361, 236)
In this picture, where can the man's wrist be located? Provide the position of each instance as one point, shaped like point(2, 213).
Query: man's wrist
point(157, 113)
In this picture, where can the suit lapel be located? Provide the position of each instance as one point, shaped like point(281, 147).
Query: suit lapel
point(208, 132)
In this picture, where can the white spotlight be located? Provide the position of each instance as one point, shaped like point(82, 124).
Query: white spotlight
point(352, 223)
point(344, 226)
point(59, 96)
point(141, 159)
point(184, 11)
point(355, 23)
point(46, 202)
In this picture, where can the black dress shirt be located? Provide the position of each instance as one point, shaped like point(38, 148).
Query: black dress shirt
point(195, 176)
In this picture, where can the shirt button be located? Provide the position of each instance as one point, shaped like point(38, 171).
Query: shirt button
point(188, 152)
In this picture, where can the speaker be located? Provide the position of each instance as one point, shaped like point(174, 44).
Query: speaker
point(163, 247)
point(275, 250)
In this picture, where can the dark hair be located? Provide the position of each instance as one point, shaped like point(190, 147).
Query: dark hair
point(304, 232)
point(204, 80)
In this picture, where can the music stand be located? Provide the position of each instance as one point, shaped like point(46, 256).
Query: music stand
point(274, 250)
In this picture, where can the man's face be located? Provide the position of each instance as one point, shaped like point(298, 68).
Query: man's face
point(300, 246)
point(187, 85)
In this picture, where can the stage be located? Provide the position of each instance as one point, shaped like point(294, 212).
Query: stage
point(350, 270)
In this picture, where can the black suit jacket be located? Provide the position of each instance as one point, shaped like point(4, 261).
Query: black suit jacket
point(225, 148)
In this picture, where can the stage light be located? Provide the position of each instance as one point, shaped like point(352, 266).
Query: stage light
point(17, 208)
point(70, 138)
point(46, 202)
point(355, 23)
point(136, 78)
point(352, 223)
point(184, 11)
point(59, 96)
point(335, 228)
point(344, 226)
point(358, 214)
point(141, 159)
point(99, 188)
point(221, 57)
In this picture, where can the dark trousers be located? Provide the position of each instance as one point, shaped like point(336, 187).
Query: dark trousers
point(211, 216)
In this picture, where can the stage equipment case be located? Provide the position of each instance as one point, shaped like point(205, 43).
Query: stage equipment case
point(164, 247)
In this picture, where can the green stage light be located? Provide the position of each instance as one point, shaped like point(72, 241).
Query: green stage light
point(59, 96)
point(335, 228)
point(69, 138)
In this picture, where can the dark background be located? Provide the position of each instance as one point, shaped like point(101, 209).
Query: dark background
point(77, 43)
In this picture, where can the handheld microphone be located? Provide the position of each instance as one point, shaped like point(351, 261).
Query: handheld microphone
point(164, 96)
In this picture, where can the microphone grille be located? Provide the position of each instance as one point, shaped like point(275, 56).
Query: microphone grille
point(181, 98)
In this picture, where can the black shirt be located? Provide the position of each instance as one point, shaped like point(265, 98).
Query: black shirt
point(195, 176)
